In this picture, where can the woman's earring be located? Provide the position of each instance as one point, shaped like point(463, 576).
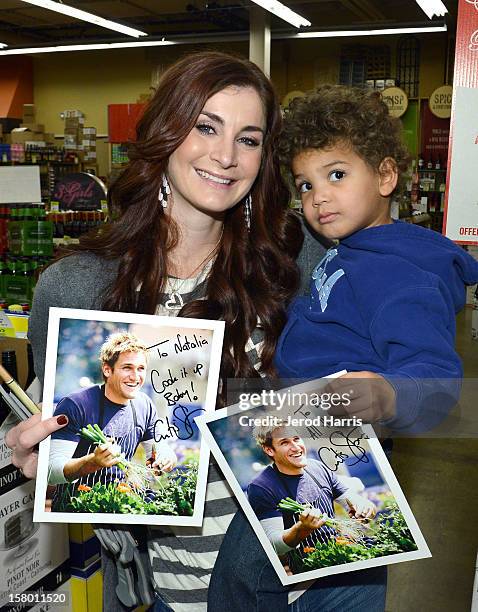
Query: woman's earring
point(248, 211)
point(164, 191)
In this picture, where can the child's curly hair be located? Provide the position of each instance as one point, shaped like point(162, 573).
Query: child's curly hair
point(336, 114)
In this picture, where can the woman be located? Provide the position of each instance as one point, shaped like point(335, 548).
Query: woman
point(202, 229)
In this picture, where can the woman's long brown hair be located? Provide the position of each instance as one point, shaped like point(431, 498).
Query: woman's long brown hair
point(254, 275)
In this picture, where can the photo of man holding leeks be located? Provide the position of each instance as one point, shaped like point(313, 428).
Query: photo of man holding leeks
point(106, 424)
point(293, 497)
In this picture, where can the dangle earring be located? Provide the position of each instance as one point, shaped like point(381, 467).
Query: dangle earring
point(164, 191)
point(248, 211)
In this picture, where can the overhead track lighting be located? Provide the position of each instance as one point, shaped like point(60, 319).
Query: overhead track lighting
point(383, 32)
point(432, 7)
point(92, 47)
point(282, 11)
point(233, 37)
point(85, 16)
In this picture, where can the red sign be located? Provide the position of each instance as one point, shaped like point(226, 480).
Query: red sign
point(435, 133)
point(122, 120)
point(460, 201)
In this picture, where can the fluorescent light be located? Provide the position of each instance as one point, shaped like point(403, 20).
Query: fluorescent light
point(148, 43)
point(85, 16)
point(346, 33)
point(280, 10)
point(432, 7)
point(206, 39)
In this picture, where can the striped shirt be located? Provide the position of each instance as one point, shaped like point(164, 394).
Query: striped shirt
point(182, 558)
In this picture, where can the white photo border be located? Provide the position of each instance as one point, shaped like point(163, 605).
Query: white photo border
point(422, 551)
point(55, 316)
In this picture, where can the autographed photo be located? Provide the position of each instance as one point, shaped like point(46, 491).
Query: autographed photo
point(130, 387)
point(319, 491)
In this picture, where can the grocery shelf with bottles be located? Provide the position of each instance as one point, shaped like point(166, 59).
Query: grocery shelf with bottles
point(29, 237)
point(26, 244)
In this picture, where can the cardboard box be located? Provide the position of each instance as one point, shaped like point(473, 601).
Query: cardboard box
point(74, 131)
point(32, 555)
point(70, 141)
point(28, 113)
point(73, 113)
point(74, 122)
point(25, 136)
point(49, 137)
point(38, 128)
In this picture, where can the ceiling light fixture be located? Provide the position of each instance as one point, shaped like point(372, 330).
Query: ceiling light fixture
point(3, 45)
point(85, 16)
point(384, 32)
point(282, 11)
point(208, 39)
point(432, 7)
point(92, 47)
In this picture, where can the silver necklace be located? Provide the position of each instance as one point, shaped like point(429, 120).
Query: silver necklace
point(175, 300)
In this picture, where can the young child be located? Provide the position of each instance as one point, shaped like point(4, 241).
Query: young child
point(383, 300)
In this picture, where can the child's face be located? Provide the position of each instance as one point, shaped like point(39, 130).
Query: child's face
point(340, 193)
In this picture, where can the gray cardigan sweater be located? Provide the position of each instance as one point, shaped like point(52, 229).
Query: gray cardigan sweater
point(83, 279)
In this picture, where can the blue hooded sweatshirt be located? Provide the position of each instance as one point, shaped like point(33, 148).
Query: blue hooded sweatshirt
point(384, 300)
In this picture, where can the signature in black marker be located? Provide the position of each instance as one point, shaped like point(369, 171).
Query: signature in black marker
point(181, 426)
point(350, 441)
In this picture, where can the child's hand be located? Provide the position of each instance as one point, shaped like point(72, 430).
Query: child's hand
point(372, 397)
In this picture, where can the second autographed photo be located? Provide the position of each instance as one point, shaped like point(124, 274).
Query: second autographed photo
point(322, 499)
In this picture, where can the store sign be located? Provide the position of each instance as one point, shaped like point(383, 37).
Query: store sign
point(461, 203)
point(462, 213)
point(396, 100)
point(434, 136)
point(440, 101)
point(79, 191)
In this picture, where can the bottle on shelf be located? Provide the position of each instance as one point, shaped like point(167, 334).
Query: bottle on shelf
point(3, 275)
point(31, 371)
point(9, 362)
